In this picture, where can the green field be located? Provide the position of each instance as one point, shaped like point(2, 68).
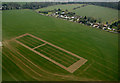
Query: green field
point(100, 48)
point(32, 41)
point(69, 7)
point(0, 26)
point(102, 14)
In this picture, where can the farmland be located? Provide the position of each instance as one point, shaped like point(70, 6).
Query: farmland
point(20, 63)
point(102, 14)
point(68, 7)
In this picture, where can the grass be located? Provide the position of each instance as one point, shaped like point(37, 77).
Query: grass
point(0, 26)
point(102, 14)
point(64, 7)
point(30, 41)
point(55, 54)
point(100, 48)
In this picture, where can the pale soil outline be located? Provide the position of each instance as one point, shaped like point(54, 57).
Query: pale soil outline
point(38, 67)
point(39, 46)
point(89, 53)
point(22, 68)
point(100, 72)
point(18, 64)
point(16, 51)
point(24, 65)
point(106, 60)
point(70, 69)
point(32, 63)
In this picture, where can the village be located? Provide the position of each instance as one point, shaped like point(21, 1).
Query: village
point(71, 16)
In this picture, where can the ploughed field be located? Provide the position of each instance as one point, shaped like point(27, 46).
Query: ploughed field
point(102, 14)
point(21, 63)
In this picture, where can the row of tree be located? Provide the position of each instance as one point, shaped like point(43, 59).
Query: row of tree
point(90, 21)
point(37, 5)
point(79, 7)
point(27, 5)
point(116, 24)
point(114, 5)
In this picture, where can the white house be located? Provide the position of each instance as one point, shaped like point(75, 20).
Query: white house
point(104, 28)
point(73, 17)
point(91, 24)
point(61, 16)
point(66, 17)
point(95, 25)
point(109, 28)
point(56, 12)
point(113, 29)
point(105, 25)
point(78, 19)
point(63, 13)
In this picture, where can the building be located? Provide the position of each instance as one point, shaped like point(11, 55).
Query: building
point(0, 8)
point(0, 44)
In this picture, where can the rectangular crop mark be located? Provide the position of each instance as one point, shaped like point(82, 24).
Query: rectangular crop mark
point(59, 56)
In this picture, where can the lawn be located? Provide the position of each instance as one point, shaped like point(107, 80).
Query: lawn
point(100, 48)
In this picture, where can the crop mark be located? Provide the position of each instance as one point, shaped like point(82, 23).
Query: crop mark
point(39, 46)
point(72, 68)
point(21, 67)
point(8, 72)
point(89, 66)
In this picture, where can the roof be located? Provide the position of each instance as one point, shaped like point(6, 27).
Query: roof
point(0, 43)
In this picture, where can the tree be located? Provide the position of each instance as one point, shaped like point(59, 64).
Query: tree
point(59, 9)
point(66, 10)
point(106, 22)
point(85, 17)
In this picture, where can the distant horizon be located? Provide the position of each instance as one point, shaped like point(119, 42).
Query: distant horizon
point(59, 0)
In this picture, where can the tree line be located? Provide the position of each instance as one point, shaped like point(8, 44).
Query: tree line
point(37, 5)
point(27, 5)
point(114, 5)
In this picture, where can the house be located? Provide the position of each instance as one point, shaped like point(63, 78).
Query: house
point(72, 17)
point(57, 16)
point(104, 28)
point(78, 19)
point(113, 29)
point(66, 17)
point(105, 25)
point(61, 16)
point(0, 44)
point(0, 8)
point(56, 12)
point(91, 24)
point(53, 14)
point(109, 28)
point(63, 13)
point(80, 16)
point(95, 25)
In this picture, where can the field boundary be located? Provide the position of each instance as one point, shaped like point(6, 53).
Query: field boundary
point(72, 68)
